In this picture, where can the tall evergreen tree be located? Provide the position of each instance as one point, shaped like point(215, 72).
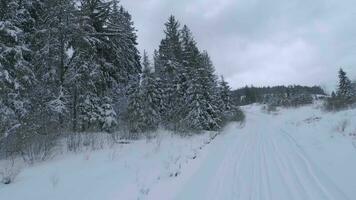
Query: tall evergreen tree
point(202, 112)
point(168, 69)
point(16, 71)
point(151, 95)
point(229, 111)
point(135, 115)
point(122, 49)
point(345, 90)
point(210, 87)
point(54, 28)
point(190, 63)
point(107, 59)
point(225, 95)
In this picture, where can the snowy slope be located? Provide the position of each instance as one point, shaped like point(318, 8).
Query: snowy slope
point(300, 153)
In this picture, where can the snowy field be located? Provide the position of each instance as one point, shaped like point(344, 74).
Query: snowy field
point(300, 153)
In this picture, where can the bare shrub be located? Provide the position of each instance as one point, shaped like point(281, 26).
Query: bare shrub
point(54, 179)
point(38, 148)
point(73, 142)
point(342, 125)
point(9, 171)
point(114, 154)
point(77, 142)
point(158, 142)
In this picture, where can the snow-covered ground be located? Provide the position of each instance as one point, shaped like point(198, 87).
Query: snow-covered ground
point(300, 153)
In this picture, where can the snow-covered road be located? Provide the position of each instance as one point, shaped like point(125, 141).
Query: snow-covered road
point(262, 161)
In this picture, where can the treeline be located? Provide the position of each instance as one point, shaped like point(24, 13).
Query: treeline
point(73, 66)
point(345, 95)
point(293, 95)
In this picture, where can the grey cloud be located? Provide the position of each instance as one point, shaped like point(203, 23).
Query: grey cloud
point(261, 42)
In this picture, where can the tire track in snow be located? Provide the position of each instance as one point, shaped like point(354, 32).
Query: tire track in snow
point(283, 172)
point(235, 167)
point(265, 172)
point(312, 170)
point(292, 172)
point(262, 163)
point(229, 166)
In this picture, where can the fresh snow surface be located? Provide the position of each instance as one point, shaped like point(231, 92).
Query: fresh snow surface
point(298, 154)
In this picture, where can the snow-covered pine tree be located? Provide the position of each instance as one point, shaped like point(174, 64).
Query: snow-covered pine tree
point(190, 86)
point(16, 71)
point(168, 69)
point(106, 57)
point(190, 62)
point(121, 47)
point(344, 95)
point(201, 111)
point(157, 66)
point(135, 116)
point(210, 87)
point(151, 96)
point(225, 94)
point(126, 68)
point(55, 27)
point(195, 118)
point(345, 90)
point(230, 111)
point(86, 82)
point(108, 115)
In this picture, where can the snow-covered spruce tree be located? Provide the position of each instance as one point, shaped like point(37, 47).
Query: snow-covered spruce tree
point(123, 52)
point(16, 71)
point(230, 111)
point(159, 83)
point(169, 66)
point(345, 90)
point(190, 61)
point(55, 26)
point(84, 77)
point(189, 118)
point(225, 91)
point(202, 112)
point(125, 56)
point(150, 94)
point(344, 95)
point(105, 63)
point(210, 88)
point(135, 114)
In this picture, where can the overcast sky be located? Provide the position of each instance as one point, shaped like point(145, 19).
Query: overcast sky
point(259, 42)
